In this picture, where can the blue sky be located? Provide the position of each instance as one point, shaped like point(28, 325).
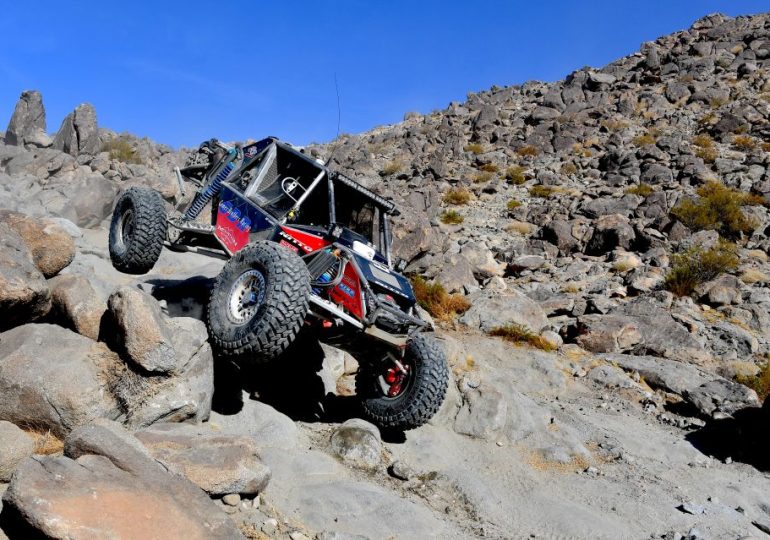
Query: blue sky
point(181, 72)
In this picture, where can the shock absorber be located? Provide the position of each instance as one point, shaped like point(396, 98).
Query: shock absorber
point(205, 195)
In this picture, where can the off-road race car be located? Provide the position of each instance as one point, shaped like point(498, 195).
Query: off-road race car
point(306, 247)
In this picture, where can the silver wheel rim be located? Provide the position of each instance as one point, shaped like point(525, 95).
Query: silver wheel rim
point(126, 227)
point(246, 295)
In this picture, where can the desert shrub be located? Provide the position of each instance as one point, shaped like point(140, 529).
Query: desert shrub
point(489, 167)
point(643, 190)
point(121, 150)
point(520, 227)
point(517, 333)
point(451, 217)
point(715, 102)
point(482, 177)
point(513, 204)
point(717, 208)
point(569, 168)
point(434, 299)
point(759, 382)
point(392, 167)
point(527, 150)
point(614, 125)
point(474, 148)
point(643, 139)
point(542, 191)
point(703, 141)
point(581, 151)
point(516, 175)
point(697, 265)
point(744, 142)
point(457, 196)
point(708, 154)
point(765, 146)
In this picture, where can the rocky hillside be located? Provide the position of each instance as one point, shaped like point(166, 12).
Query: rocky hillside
point(596, 253)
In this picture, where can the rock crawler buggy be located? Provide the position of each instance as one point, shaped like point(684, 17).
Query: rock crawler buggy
point(306, 246)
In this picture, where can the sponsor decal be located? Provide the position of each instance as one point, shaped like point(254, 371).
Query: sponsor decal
point(292, 247)
point(347, 290)
point(250, 151)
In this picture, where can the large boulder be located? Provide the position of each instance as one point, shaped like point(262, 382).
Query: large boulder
point(721, 397)
point(490, 309)
point(24, 293)
point(108, 486)
point(183, 394)
point(27, 125)
point(142, 329)
point(607, 333)
point(51, 246)
point(78, 133)
point(15, 446)
point(54, 379)
point(358, 444)
point(216, 462)
point(610, 232)
point(77, 304)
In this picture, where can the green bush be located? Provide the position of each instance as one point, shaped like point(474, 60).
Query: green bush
point(759, 382)
point(516, 175)
point(717, 208)
point(451, 217)
point(643, 190)
point(697, 265)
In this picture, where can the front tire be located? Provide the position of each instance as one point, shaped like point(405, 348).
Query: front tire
point(259, 302)
point(137, 230)
point(405, 396)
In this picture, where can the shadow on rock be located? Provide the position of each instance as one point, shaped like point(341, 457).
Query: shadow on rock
point(292, 384)
point(744, 437)
point(13, 524)
point(184, 298)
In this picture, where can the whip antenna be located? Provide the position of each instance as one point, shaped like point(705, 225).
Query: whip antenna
point(339, 116)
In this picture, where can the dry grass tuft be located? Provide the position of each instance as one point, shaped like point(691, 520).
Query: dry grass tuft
point(569, 168)
point(643, 190)
point(760, 382)
point(513, 204)
point(457, 196)
point(516, 175)
point(474, 148)
point(489, 167)
point(527, 151)
point(434, 299)
point(744, 142)
point(46, 443)
point(644, 140)
point(482, 177)
point(451, 217)
point(520, 227)
point(543, 192)
point(517, 333)
point(752, 275)
point(392, 168)
point(121, 150)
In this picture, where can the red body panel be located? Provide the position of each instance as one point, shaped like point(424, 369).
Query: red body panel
point(348, 293)
point(307, 242)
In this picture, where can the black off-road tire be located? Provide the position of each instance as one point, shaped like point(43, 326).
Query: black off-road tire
point(278, 317)
point(137, 230)
point(422, 398)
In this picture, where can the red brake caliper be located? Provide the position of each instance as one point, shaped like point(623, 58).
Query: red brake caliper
point(395, 378)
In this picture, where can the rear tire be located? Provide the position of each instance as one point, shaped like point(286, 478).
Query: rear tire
point(137, 230)
point(259, 302)
point(423, 393)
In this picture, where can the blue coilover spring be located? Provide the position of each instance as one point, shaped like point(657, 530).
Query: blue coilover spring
point(205, 196)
